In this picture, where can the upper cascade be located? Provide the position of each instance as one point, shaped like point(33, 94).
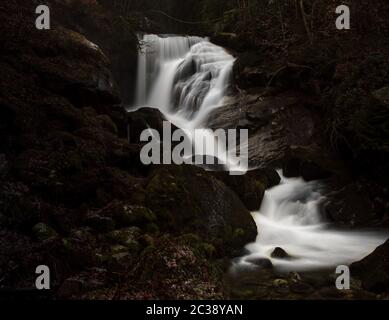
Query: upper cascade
point(184, 77)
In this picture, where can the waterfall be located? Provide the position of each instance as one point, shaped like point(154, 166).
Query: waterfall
point(186, 78)
point(290, 218)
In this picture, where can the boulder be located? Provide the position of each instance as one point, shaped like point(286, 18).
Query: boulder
point(187, 199)
point(373, 270)
point(304, 162)
point(350, 205)
point(262, 263)
point(251, 186)
point(280, 253)
point(142, 119)
point(43, 232)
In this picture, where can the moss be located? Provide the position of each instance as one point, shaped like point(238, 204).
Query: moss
point(43, 232)
point(126, 237)
point(117, 249)
point(136, 215)
point(238, 233)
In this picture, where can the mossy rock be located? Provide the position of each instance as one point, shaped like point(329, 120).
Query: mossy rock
point(126, 238)
point(43, 232)
point(187, 199)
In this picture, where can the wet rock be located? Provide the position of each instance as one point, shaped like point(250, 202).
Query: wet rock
point(187, 199)
point(251, 186)
point(268, 176)
point(350, 205)
point(374, 270)
point(280, 253)
point(304, 162)
point(142, 119)
point(262, 263)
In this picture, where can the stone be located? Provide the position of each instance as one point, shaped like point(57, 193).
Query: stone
point(373, 270)
point(262, 263)
point(279, 253)
point(187, 199)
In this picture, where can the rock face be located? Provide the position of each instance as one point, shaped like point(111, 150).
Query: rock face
point(250, 187)
point(374, 269)
point(350, 205)
point(187, 199)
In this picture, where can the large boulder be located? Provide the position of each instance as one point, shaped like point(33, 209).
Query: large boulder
point(187, 199)
point(142, 119)
point(350, 206)
point(251, 186)
point(374, 269)
point(305, 162)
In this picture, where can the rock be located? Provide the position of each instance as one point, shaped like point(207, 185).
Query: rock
point(250, 189)
point(350, 205)
point(251, 186)
point(301, 288)
point(126, 237)
point(262, 263)
point(304, 162)
point(280, 253)
point(99, 223)
point(70, 287)
point(373, 270)
point(382, 95)
point(43, 232)
point(268, 176)
point(187, 199)
point(280, 283)
point(142, 119)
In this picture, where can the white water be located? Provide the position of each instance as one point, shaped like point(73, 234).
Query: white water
point(290, 218)
point(186, 78)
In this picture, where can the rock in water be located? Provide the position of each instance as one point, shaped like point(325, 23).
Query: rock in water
point(374, 269)
point(280, 253)
point(262, 263)
point(187, 199)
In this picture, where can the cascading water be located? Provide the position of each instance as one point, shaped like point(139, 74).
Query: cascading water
point(186, 78)
point(290, 218)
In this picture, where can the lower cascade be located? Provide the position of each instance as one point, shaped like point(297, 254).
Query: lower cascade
point(188, 77)
point(290, 220)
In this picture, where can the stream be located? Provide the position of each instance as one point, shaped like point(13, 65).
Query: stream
point(186, 78)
